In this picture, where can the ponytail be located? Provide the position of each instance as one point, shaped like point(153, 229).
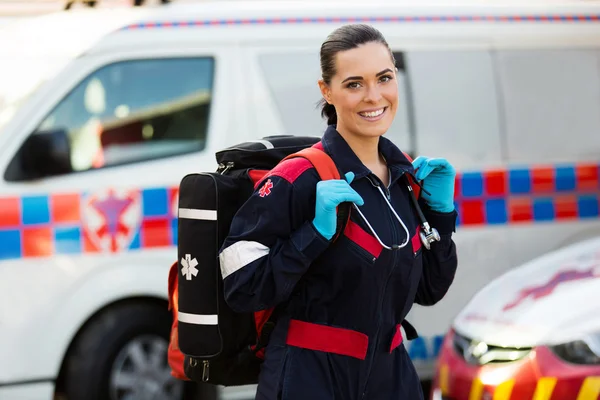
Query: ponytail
point(328, 111)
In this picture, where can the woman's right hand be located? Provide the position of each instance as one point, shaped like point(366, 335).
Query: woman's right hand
point(330, 194)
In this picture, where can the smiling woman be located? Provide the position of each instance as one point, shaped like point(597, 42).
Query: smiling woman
point(341, 303)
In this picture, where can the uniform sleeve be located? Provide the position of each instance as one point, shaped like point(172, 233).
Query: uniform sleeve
point(439, 262)
point(271, 243)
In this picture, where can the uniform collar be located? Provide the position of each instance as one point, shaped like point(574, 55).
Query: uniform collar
point(337, 147)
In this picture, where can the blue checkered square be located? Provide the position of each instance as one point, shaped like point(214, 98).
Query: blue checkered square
point(565, 179)
point(10, 244)
point(472, 184)
point(36, 210)
point(155, 202)
point(519, 181)
point(495, 211)
point(543, 209)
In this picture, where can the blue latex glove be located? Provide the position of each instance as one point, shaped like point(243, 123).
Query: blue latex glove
point(437, 177)
point(330, 194)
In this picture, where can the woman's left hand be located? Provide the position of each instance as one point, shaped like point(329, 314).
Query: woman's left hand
point(437, 177)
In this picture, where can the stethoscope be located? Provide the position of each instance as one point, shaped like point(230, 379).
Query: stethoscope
point(427, 234)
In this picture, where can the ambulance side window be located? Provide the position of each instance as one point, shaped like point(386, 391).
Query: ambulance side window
point(133, 111)
point(552, 104)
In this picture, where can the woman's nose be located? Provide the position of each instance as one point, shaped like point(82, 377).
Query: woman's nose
point(373, 94)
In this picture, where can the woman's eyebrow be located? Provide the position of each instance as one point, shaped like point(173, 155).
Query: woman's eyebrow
point(360, 77)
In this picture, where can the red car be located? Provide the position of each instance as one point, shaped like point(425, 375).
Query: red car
point(531, 334)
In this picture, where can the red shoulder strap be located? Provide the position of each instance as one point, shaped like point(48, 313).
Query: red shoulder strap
point(416, 188)
point(320, 160)
point(326, 168)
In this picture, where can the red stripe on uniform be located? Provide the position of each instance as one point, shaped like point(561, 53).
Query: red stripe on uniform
point(359, 236)
point(416, 240)
point(328, 339)
point(291, 169)
point(397, 339)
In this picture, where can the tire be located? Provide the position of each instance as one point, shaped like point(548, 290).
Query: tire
point(122, 354)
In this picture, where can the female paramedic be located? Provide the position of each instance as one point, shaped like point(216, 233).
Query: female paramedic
point(341, 302)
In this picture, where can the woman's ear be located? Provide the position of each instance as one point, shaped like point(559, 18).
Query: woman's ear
point(325, 91)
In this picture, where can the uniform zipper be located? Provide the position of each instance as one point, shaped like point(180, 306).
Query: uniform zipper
point(376, 182)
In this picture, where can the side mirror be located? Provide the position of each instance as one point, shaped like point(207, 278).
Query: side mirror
point(47, 153)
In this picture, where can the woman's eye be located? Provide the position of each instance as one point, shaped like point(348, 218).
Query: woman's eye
point(386, 78)
point(353, 85)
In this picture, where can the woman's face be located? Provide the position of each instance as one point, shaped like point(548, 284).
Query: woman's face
point(364, 90)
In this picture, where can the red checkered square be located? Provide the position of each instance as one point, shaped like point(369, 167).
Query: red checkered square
point(565, 207)
point(457, 185)
point(65, 208)
point(520, 210)
point(173, 201)
point(10, 212)
point(37, 242)
point(586, 177)
point(495, 182)
point(543, 180)
point(155, 233)
point(88, 245)
point(472, 212)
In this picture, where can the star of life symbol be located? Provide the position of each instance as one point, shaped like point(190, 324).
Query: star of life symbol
point(266, 189)
point(189, 267)
point(112, 217)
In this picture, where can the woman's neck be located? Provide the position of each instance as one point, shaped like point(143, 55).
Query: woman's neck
point(365, 148)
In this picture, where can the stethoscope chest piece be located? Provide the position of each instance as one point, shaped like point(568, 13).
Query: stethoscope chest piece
point(428, 235)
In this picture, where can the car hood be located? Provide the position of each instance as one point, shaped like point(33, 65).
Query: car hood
point(549, 300)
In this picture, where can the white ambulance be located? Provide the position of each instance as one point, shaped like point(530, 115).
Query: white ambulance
point(102, 112)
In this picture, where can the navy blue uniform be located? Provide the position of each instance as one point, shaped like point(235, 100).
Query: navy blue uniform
point(275, 257)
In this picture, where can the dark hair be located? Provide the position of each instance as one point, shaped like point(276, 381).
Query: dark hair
point(346, 37)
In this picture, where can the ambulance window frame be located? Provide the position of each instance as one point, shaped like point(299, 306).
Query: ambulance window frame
point(15, 171)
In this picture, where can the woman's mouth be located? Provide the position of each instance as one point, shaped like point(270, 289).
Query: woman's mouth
point(373, 115)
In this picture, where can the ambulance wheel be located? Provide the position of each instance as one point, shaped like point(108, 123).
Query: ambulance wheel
point(122, 354)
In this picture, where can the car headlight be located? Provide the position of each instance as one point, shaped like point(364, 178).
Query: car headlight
point(585, 351)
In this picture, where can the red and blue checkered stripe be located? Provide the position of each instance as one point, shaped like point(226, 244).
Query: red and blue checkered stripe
point(46, 225)
point(566, 18)
point(536, 194)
